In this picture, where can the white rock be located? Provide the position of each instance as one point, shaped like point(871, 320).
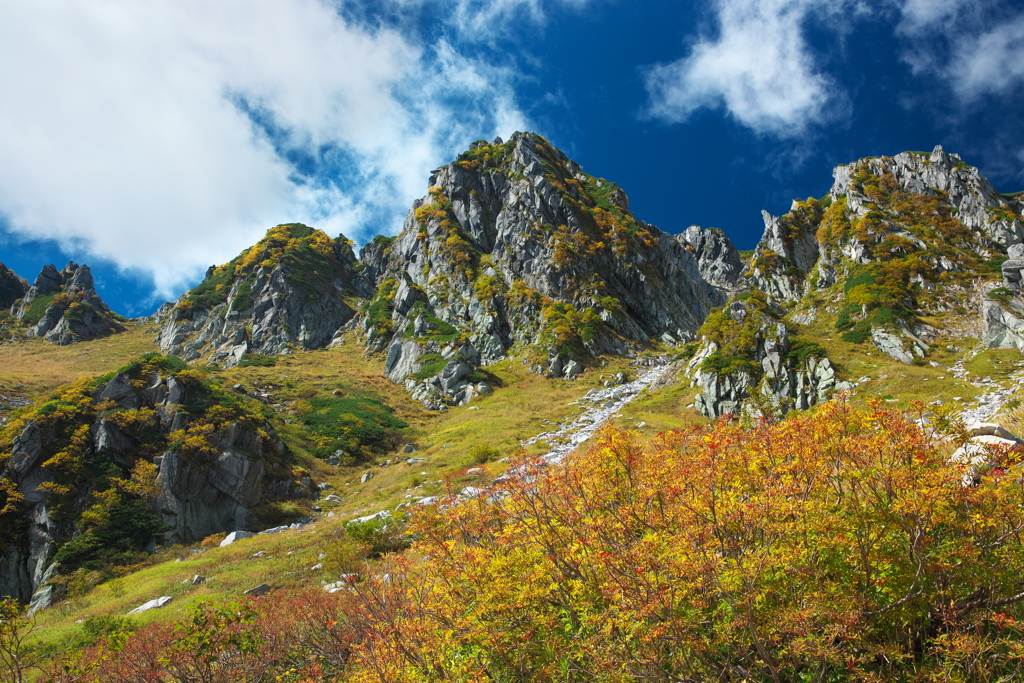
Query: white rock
point(990, 429)
point(236, 536)
point(152, 604)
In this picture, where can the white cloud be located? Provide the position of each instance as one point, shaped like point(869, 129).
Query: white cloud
point(925, 15)
point(977, 52)
point(759, 67)
point(991, 62)
point(120, 129)
point(484, 19)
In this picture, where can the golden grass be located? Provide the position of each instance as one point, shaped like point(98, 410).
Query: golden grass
point(35, 367)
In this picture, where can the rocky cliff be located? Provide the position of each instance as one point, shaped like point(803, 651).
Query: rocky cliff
point(105, 468)
point(12, 287)
point(63, 307)
point(1003, 309)
point(897, 239)
point(516, 249)
point(289, 291)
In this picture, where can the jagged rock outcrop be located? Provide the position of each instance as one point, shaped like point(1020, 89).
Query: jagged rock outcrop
point(935, 206)
point(12, 287)
point(197, 471)
point(718, 260)
point(896, 239)
point(1013, 268)
point(63, 307)
point(778, 372)
point(961, 186)
point(289, 291)
point(515, 246)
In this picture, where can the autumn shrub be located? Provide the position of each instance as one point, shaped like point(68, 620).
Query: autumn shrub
point(837, 545)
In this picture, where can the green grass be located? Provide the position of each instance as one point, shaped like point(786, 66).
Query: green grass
point(37, 309)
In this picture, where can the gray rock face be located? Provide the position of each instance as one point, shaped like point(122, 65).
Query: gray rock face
point(718, 260)
point(199, 493)
point(1013, 268)
point(295, 297)
point(786, 253)
point(12, 287)
point(73, 311)
point(199, 499)
point(1004, 324)
point(781, 382)
point(515, 246)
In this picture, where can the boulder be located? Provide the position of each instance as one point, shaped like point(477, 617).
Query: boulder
point(1003, 324)
point(235, 536)
point(155, 603)
point(257, 591)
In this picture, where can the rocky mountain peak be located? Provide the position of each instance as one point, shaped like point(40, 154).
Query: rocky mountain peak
point(289, 290)
point(897, 239)
point(718, 260)
point(63, 307)
point(516, 247)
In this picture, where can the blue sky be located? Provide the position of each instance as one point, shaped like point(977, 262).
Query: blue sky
point(151, 140)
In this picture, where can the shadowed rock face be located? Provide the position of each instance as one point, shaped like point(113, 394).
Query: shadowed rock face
point(63, 307)
point(12, 286)
point(199, 491)
point(515, 246)
point(287, 292)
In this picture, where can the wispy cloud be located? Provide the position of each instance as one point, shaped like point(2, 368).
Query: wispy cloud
point(991, 62)
point(758, 66)
point(168, 135)
point(480, 20)
point(976, 48)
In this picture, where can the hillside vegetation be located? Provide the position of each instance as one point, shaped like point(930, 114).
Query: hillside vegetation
point(835, 545)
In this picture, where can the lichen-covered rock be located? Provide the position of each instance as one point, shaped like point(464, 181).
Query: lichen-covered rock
point(63, 307)
point(288, 291)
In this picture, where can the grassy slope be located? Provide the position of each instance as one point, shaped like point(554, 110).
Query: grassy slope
point(35, 367)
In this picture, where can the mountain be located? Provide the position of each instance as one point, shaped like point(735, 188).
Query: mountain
point(291, 290)
point(528, 289)
point(888, 257)
point(515, 250)
point(63, 307)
